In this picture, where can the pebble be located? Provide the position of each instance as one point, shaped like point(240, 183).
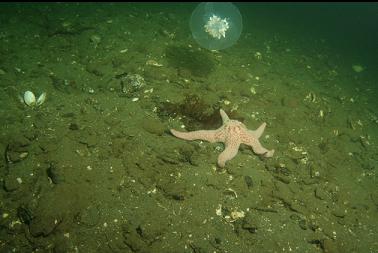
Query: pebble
point(338, 212)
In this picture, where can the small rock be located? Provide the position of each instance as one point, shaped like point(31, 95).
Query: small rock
point(68, 115)
point(132, 238)
point(290, 102)
point(282, 192)
point(90, 216)
point(301, 222)
point(187, 153)
point(14, 156)
point(284, 179)
point(31, 135)
point(95, 39)
point(153, 126)
point(174, 190)
point(11, 183)
point(20, 141)
point(95, 68)
point(320, 193)
point(329, 246)
point(250, 224)
point(55, 174)
point(74, 126)
point(248, 181)
point(89, 140)
point(24, 214)
point(297, 207)
point(374, 198)
point(338, 212)
point(17, 149)
point(43, 225)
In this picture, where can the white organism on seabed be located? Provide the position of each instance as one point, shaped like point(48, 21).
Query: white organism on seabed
point(217, 27)
point(30, 100)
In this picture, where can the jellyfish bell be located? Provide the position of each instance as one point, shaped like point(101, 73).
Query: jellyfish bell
point(216, 26)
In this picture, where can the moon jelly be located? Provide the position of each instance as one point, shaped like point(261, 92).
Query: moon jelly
point(216, 26)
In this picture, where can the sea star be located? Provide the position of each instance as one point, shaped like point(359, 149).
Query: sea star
point(232, 133)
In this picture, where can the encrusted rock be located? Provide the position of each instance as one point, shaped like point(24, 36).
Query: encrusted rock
point(132, 83)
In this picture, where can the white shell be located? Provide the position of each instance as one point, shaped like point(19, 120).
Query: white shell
point(41, 98)
point(29, 98)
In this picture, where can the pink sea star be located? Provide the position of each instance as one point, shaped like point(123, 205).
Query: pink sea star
point(232, 133)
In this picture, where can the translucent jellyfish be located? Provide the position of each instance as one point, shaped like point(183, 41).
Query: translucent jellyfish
point(216, 26)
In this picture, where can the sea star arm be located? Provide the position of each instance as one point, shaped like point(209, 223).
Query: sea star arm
point(259, 131)
point(256, 146)
point(206, 135)
point(224, 116)
point(230, 151)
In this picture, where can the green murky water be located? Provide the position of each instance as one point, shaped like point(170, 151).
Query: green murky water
point(94, 168)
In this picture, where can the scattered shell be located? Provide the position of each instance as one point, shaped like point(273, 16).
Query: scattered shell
point(231, 192)
point(29, 98)
point(135, 99)
point(41, 99)
point(321, 114)
point(237, 214)
point(149, 90)
point(153, 63)
point(218, 211)
point(23, 155)
point(311, 97)
point(258, 55)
